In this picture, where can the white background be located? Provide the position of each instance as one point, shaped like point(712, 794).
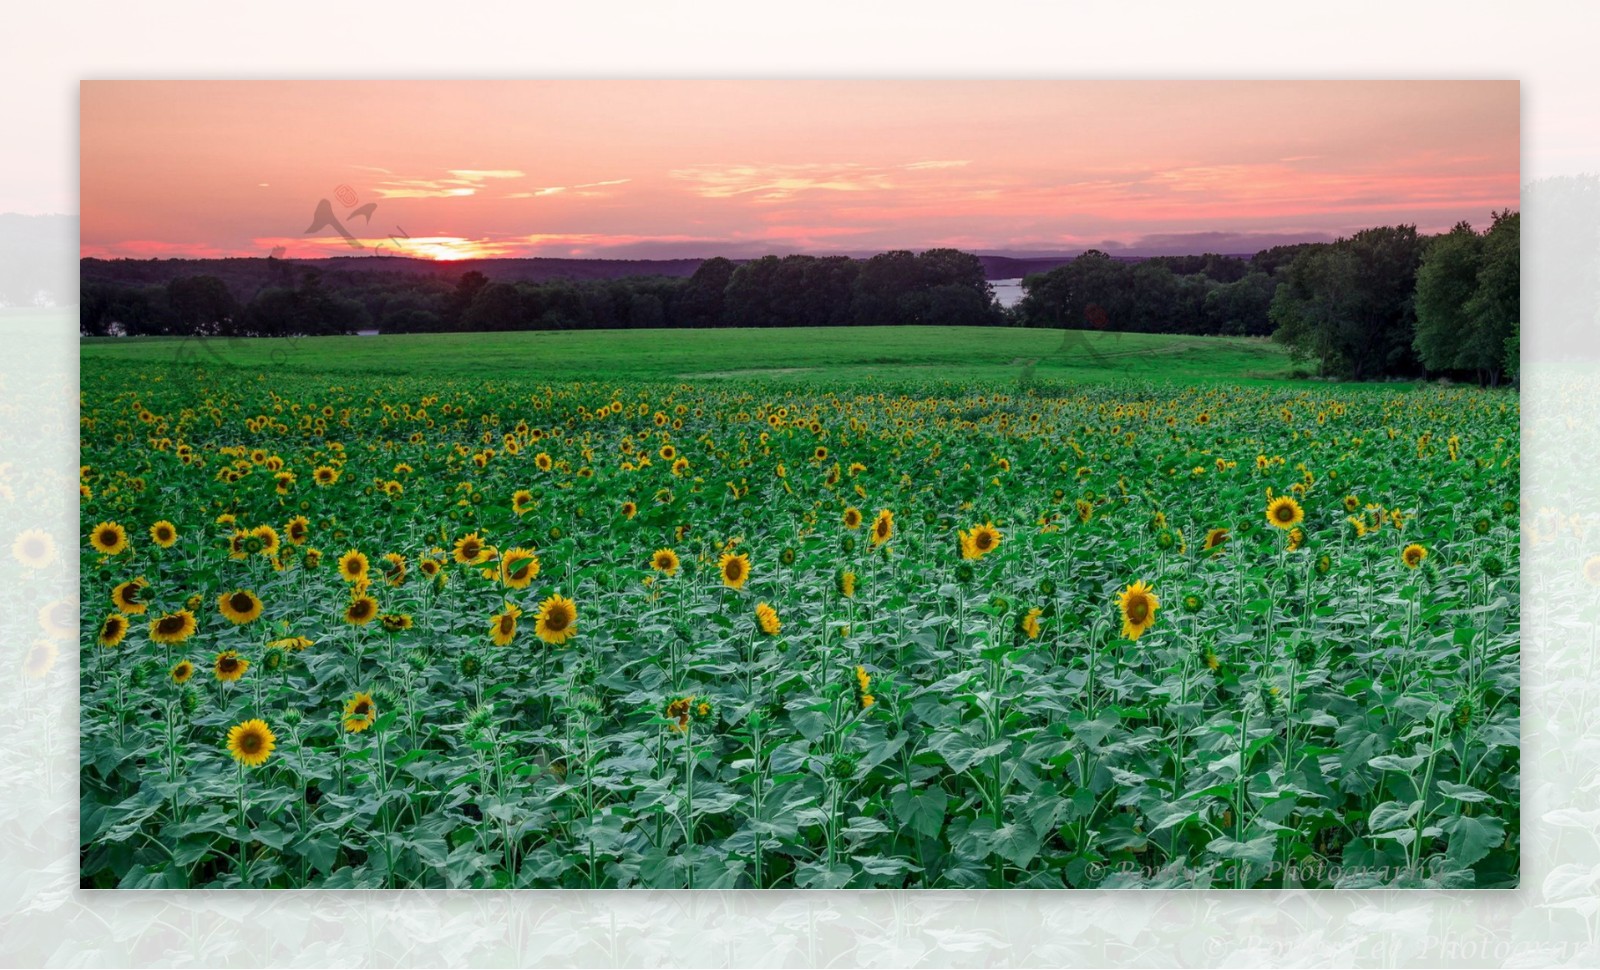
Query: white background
point(46, 48)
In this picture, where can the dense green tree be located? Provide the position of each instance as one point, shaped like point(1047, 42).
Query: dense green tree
point(1446, 280)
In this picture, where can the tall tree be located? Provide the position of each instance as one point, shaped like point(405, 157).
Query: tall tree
point(1446, 280)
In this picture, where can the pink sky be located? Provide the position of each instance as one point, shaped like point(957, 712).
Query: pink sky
point(658, 169)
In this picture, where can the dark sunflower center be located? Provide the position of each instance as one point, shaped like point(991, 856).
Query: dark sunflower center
point(360, 608)
point(250, 742)
point(163, 534)
point(108, 537)
point(1285, 513)
point(507, 624)
point(1138, 609)
point(113, 626)
point(241, 602)
point(227, 665)
point(557, 619)
point(362, 709)
point(470, 550)
point(735, 570)
point(170, 624)
point(984, 540)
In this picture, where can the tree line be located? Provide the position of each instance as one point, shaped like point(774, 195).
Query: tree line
point(1383, 302)
point(936, 287)
point(1380, 303)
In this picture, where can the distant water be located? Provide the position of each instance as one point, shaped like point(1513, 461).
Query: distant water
point(1008, 292)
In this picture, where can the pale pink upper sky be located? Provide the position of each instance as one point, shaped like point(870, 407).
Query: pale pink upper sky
point(661, 169)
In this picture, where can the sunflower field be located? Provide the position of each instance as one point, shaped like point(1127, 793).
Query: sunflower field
point(409, 632)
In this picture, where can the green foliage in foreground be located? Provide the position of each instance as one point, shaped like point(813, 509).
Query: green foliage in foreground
point(1326, 715)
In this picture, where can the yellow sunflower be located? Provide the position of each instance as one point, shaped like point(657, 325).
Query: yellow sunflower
point(298, 530)
point(665, 561)
point(521, 501)
point(846, 583)
point(128, 597)
point(1215, 539)
point(353, 566)
point(1138, 604)
point(112, 629)
point(393, 567)
point(173, 628)
point(1413, 555)
point(229, 666)
point(557, 620)
point(883, 527)
point(735, 569)
point(181, 672)
point(1285, 513)
point(471, 549)
point(292, 643)
point(362, 610)
point(240, 606)
point(979, 541)
point(767, 618)
point(359, 713)
point(503, 626)
point(164, 534)
point(852, 518)
point(251, 742)
point(34, 548)
point(268, 537)
point(1030, 623)
point(108, 538)
point(863, 688)
point(518, 567)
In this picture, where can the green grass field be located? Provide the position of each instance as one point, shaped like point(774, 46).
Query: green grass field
point(966, 354)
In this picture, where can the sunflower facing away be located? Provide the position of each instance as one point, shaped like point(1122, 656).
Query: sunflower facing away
point(1413, 555)
point(359, 713)
point(735, 569)
point(846, 583)
point(1138, 604)
point(1284, 512)
point(229, 666)
point(557, 620)
point(251, 742)
point(863, 689)
point(767, 619)
point(108, 538)
point(1030, 623)
point(240, 606)
point(665, 561)
point(173, 627)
